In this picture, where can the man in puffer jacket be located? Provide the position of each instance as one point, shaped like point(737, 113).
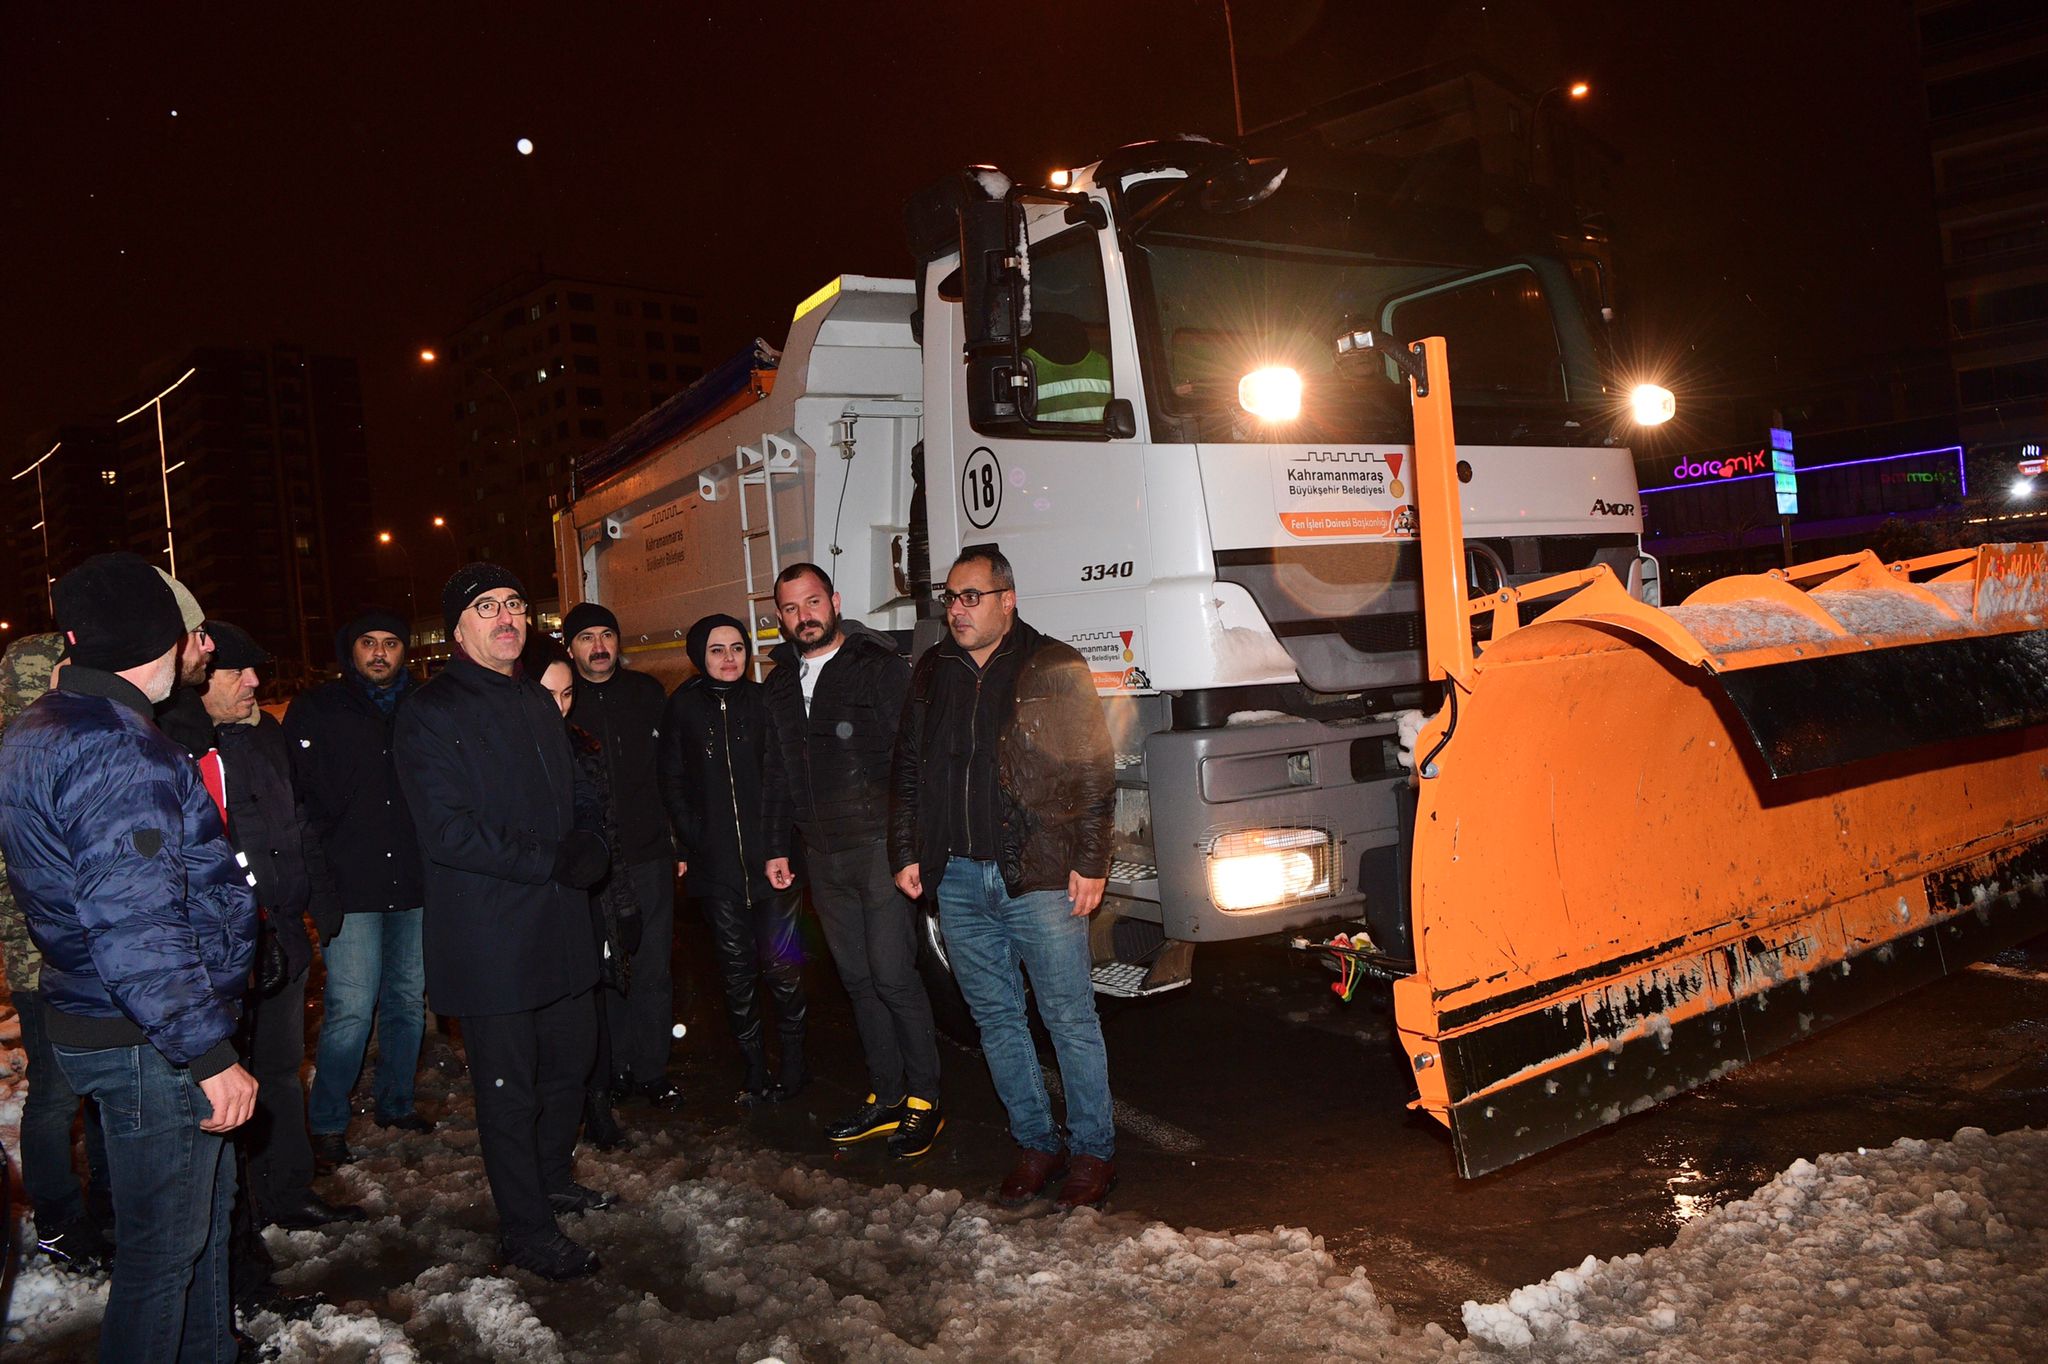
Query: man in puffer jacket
point(147, 928)
point(714, 737)
point(70, 1230)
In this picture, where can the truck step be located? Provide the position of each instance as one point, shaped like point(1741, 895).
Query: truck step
point(1126, 980)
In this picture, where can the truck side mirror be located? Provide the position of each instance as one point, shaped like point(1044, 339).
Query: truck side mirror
point(990, 285)
point(1120, 419)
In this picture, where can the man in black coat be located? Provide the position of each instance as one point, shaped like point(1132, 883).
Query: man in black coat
point(834, 700)
point(369, 917)
point(1002, 805)
point(513, 842)
point(714, 737)
point(621, 709)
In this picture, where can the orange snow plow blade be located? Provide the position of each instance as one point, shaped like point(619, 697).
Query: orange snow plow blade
point(1653, 845)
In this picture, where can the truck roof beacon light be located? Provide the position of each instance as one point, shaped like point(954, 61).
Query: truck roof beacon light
point(1652, 404)
point(1272, 394)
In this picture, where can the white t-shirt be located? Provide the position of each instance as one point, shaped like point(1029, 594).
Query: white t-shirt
point(808, 670)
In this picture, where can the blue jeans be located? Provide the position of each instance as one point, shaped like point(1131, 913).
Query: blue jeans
point(173, 1187)
point(46, 1117)
point(375, 971)
point(989, 933)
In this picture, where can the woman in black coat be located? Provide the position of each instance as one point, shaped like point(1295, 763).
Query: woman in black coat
point(713, 738)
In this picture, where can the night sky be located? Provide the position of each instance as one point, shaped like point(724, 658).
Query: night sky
point(346, 175)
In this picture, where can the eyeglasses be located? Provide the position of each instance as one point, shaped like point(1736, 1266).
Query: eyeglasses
point(488, 606)
point(969, 597)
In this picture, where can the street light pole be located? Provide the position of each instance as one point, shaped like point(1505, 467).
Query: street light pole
point(1575, 90)
point(412, 605)
point(164, 465)
point(433, 357)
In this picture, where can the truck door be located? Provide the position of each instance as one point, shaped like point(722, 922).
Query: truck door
point(1064, 500)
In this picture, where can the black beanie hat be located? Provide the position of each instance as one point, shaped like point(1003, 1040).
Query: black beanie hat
point(699, 639)
point(587, 616)
point(117, 612)
point(468, 583)
point(233, 648)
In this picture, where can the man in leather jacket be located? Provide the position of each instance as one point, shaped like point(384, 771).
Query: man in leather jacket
point(1002, 796)
point(714, 736)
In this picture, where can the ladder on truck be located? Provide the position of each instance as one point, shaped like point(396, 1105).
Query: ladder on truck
point(758, 467)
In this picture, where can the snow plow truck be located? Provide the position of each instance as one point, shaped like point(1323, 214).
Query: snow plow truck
point(1207, 412)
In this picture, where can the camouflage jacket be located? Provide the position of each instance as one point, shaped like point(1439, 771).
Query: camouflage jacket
point(24, 675)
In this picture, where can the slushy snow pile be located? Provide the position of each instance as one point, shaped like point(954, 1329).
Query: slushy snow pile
point(1923, 1251)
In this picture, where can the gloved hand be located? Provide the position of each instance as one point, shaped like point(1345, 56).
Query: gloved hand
point(273, 968)
point(630, 927)
point(580, 860)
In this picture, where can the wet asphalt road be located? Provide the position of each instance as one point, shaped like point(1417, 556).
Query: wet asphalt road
point(1254, 1098)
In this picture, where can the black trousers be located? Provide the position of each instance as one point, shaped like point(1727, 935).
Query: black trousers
point(868, 927)
point(644, 1018)
point(279, 1153)
point(753, 941)
point(528, 1070)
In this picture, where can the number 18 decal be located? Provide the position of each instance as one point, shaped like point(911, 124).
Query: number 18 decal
point(981, 487)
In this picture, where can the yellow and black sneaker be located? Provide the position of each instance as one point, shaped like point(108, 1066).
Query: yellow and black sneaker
point(921, 1125)
point(871, 1119)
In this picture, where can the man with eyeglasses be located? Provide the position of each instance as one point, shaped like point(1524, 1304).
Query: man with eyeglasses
point(1002, 795)
point(833, 703)
point(513, 840)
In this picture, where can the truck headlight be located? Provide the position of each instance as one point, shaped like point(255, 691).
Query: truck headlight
point(1265, 868)
point(1272, 394)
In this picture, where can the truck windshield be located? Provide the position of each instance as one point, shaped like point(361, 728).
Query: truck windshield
point(1276, 285)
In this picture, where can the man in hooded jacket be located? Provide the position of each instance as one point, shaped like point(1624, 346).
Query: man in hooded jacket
point(714, 737)
point(341, 738)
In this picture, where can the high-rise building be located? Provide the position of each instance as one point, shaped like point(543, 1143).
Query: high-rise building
point(1985, 63)
point(64, 503)
point(546, 367)
point(241, 469)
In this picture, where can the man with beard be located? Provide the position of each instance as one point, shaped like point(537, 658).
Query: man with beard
point(513, 841)
point(117, 858)
point(182, 715)
point(621, 709)
point(370, 937)
point(833, 704)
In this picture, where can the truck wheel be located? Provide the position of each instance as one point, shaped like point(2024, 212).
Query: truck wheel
point(949, 1006)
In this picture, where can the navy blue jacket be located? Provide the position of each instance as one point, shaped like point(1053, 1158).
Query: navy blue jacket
point(146, 924)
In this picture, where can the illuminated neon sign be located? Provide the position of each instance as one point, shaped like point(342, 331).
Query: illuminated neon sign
point(1762, 469)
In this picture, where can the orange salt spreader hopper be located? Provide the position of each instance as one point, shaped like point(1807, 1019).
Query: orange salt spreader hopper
point(1652, 845)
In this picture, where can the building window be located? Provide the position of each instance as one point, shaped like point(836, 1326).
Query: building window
point(584, 332)
point(303, 543)
point(501, 518)
point(586, 364)
point(657, 341)
point(562, 429)
point(2004, 383)
point(591, 426)
point(687, 345)
point(590, 397)
point(623, 307)
point(541, 375)
point(561, 399)
point(582, 303)
point(689, 374)
point(656, 370)
point(106, 475)
point(533, 313)
point(681, 312)
point(510, 319)
point(555, 334)
point(650, 310)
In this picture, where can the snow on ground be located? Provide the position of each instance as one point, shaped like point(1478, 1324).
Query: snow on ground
point(1923, 1251)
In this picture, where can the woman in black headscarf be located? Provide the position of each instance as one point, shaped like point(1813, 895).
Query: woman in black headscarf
point(713, 737)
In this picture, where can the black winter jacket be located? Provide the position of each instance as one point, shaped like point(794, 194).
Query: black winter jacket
point(828, 773)
point(267, 825)
point(341, 749)
point(615, 921)
point(714, 742)
point(1055, 768)
point(623, 714)
point(494, 790)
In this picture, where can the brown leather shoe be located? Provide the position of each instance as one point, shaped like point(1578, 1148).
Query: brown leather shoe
point(1029, 1176)
point(1089, 1181)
